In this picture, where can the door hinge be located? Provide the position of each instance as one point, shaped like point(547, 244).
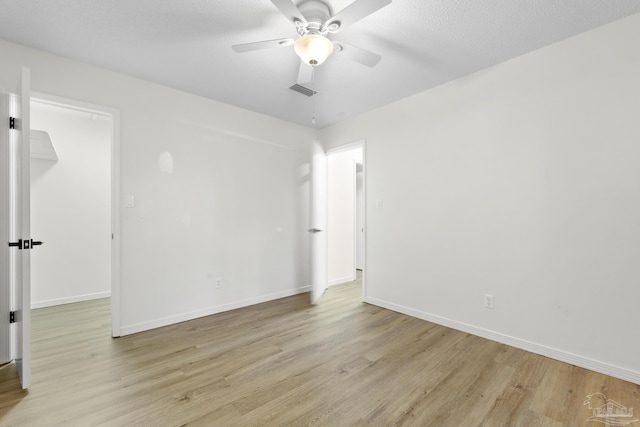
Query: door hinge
point(12, 317)
point(12, 122)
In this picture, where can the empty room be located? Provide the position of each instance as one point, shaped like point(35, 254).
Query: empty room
point(480, 267)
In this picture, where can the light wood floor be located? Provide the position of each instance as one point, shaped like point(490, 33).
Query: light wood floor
point(343, 363)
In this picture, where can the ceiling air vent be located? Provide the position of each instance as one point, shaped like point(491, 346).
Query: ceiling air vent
point(303, 90)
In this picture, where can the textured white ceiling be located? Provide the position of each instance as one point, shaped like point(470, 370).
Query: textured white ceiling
point(187, 45)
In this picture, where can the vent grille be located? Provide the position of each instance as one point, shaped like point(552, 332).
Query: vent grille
point(303, 90)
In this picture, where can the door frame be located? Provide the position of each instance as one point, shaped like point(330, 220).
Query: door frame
point(318, 217)
point(115, 191)
point(20, 228)
point(346, 147)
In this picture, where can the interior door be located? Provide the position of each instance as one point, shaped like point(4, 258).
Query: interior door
point(20, 222)
point(319, 222)
point(5, 290)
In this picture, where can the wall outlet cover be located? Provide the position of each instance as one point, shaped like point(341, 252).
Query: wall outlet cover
point(488, 301)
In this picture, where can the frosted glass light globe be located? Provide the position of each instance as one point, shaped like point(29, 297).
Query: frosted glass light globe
point(313, 49)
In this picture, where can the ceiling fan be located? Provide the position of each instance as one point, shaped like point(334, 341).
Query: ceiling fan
point(314, 21)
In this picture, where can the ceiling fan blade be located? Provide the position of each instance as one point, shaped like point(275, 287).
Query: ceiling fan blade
point(267, 44)
point(305, 74)
point(289, 10)
point(356, 54)
point(354, 12)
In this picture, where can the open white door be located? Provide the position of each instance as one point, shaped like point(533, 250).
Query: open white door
point(5, 290)
point(318, 222)
point(20, 241)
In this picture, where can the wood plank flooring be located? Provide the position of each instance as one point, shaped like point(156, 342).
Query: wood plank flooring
point(342, 363)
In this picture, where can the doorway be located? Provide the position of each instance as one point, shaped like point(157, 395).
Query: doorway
point(73, 195)
point(345, 220)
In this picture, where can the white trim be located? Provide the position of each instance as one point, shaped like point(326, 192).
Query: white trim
point(355, 213)
point(114, 113)
point(346, 147)
point(365, 225)
point(553, 353)
point(342, 280)
point(170, 320)
point(70, 104)
point(116, 240)
point(69, 300)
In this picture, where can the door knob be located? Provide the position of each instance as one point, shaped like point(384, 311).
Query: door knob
point(17, 244)
point(314, 230)
point(25, 244)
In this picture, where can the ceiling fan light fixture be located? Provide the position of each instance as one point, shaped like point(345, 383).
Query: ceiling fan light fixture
point(313, 49)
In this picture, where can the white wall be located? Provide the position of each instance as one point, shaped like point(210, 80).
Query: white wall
point(341, 201)
point(71, 208)
point(230, 208)
point(521, 181)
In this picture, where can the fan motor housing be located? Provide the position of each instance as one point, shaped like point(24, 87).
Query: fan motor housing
point(316, 13)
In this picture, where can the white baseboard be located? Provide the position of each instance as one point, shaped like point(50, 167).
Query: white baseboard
point(166, 321)
point(69, 300)
point(341, 280)
point(553, 353)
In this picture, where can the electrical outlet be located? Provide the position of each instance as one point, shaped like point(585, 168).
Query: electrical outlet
point(219, 282)
point(488, 301)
